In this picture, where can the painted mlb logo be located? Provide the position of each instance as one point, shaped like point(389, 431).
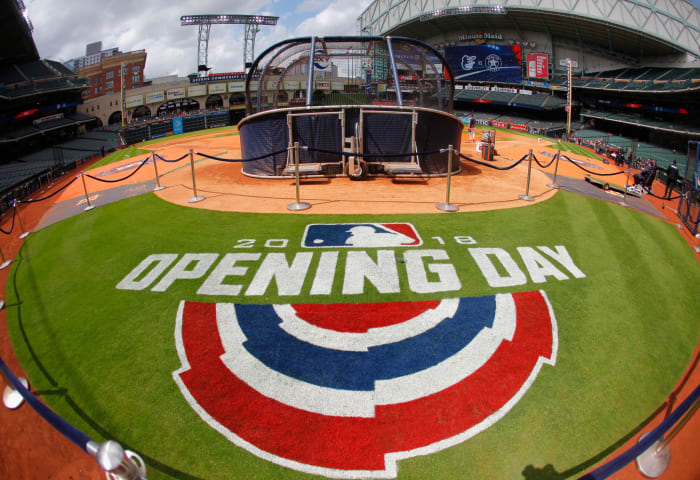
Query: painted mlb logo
point(347, 390)
point(367, 235)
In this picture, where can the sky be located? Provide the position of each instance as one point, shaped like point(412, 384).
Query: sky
point(62, 28)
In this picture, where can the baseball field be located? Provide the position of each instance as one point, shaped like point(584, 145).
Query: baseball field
point(369, 336)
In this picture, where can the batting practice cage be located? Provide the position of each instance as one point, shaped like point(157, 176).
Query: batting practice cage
point(355, 106)
point(689, 207)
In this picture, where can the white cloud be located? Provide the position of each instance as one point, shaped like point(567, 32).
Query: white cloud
point(62, 28)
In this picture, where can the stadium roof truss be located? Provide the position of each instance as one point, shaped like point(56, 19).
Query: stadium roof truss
point(633, 28)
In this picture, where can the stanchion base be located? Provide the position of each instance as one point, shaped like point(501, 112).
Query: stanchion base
point(527, 198)
point(446, 207)
point(697, 249)
point(11, 397)
point(24, 235)
point(88, 208)
point(624, 204)
point(2, 304)
point(158, 189)
point(196, 199)
point(653, 464)
point(5, 264)
point(553, 185)
point(298, 206)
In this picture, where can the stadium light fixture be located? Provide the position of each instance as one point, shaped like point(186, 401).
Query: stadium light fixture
point(252, 27)
point(464, 10)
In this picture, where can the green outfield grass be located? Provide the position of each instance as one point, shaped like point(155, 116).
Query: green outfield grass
point(103, 358)
point(119, 155)
point(573, 148)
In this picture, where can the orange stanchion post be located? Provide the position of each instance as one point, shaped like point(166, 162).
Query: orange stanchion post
point(155, 167)
point(447, 206)
point(195, 198)
point(527, 196)
point(87, 197)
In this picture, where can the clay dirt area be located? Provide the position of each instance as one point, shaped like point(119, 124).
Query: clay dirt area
point(31, 449)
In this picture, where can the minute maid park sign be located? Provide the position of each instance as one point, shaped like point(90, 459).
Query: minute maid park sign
point(346, 390)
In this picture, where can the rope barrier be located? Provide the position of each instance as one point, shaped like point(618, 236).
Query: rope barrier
point(66, 429)
point(120, 179)
point(645, 443)
point(12, 226)
point(594, 173)
point(494, 166)
point(544, 166)
point(170, 161)
point(52, 195)
point(260, 157)
point(649, 192)
point(369, 155)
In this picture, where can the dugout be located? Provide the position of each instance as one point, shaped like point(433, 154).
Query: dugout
point(362, 105)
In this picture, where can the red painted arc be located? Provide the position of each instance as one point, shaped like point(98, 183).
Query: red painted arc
point(360, 443)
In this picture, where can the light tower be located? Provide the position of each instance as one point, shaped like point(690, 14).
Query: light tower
point(252, 27)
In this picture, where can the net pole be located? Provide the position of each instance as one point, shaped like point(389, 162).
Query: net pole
point(556, 170)
point(155, 167)
point(87, 197)
point(297, 205)
point(627, 182)
point(447, 206)
point(19, 218)
point(196, 198)
point(527, 196)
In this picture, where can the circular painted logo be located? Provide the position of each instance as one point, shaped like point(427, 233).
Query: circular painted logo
point(347, 390)
point(494, 62)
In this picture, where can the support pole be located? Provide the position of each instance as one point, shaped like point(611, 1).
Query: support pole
point(556, 169)
point(627, 182)
point(196, 198)
point(19, 217)
point(527, 196)
point(447, 206)
point(87, 197)
point(155, 167)
point(5, 263)
point(298, 205)
point(11, 398)
point(119, 464)
point(654, 461)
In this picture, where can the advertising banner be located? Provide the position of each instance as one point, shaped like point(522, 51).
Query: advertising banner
point(486, 63)
point(196, 90)
point(134, 101)
point(174, 93)
point(217, 88)
point(234, 87)
point(177, 126)
point(155, 97)
point(538, 65)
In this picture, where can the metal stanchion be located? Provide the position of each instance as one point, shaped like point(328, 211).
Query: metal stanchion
point(527, 196)
point(119, 464)
point(447, 206)
point(87, 197)
point(556, 169)
point(155, 167)
point(11, 398)
point(298, 205)
point(2, 304)
point(5, 263)
point(196, 198)
point(19, 218)
point(654, 461)
point(697, 247)
point(627, 182)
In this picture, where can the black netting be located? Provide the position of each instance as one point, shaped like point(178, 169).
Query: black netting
point(433, 132)
point(318, 131)
point(264, 135)
point(387, 133)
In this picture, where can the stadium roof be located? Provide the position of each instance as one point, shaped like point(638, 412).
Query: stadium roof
point(631, 29)
point(16, 42)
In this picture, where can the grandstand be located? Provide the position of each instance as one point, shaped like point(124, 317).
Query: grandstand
point(41, 132)
point(635, 65)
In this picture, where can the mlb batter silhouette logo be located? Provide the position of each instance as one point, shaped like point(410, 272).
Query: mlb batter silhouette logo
point(368, 235)
point(347, 390)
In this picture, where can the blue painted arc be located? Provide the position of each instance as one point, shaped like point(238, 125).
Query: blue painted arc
point(358, 371)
